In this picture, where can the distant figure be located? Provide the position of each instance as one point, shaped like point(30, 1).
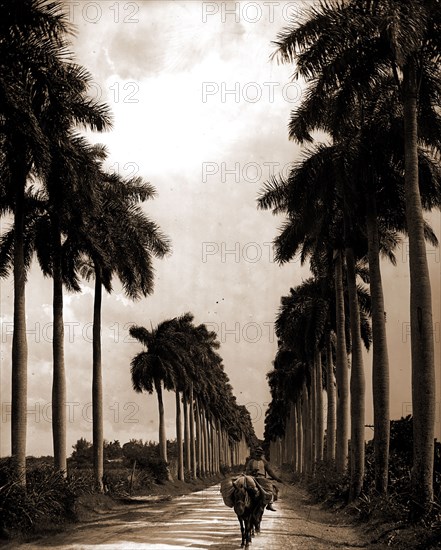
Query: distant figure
point(258, 467)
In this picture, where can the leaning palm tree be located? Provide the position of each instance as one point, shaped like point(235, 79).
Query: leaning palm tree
point(347, 46)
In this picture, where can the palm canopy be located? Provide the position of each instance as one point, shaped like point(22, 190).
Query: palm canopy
point(381, 38)
point(165, 350)
point(119, 238)
point(307, 316)
point(311, 196)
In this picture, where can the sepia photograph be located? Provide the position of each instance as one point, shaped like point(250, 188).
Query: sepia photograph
point(220, 274)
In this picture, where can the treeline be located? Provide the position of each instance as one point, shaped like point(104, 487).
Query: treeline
point(212, 430)
point(370, 120)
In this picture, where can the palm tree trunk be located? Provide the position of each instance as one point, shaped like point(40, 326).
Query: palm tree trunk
point(331, 410)
point(59, 375)
point(19, 341)
point(162, 435)
point(295, 437)
point(357, 384)
point(219, 445)
point(179, 437)
point(187, 455)
point(192, 434)
point(300, 433)
point(380, 356)
point(206, 443)
point(341, 458)
point(421, 322)
point(319, 406)
point(313, 413)
point(306, 416)
point(199, 439)
point(97, 387)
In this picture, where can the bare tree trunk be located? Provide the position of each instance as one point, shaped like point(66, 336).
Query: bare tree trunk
point(421, 322)
point(192, 434)
point(19, 341)
point(187, 455)
point(341, 458)
point(162, 435)
point(179, 437)
point(59, 375)
point(300, 433)
point(313, 413)
point(307, 440)
point(294, 437)
point(97, 387)
point(380, 356)
point(357, 384)
point(331, 411)
point(319, 406)
point(199, 454)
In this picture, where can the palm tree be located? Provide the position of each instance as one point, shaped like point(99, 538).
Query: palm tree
point(155, 368)
point(65, 194)
point(346, 47)
point(120, 241)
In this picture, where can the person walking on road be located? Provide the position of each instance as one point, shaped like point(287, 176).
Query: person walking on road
point(259, 467)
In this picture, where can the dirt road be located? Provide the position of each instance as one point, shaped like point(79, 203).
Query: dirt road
point(201, 520)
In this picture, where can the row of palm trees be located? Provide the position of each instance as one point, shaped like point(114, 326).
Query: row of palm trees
point(182, 357)
point(371, 115)
point(67, 210)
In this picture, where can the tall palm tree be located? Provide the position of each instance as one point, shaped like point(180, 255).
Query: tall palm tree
point(155, 368)
point(119, 240)
point(65, 194)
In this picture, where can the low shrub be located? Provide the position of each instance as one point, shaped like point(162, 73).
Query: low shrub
point(327, 485)
point(48, 497)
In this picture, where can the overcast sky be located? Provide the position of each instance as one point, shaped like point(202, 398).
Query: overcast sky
point(200, 112)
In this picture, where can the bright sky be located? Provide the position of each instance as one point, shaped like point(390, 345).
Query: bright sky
point(200, 112)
